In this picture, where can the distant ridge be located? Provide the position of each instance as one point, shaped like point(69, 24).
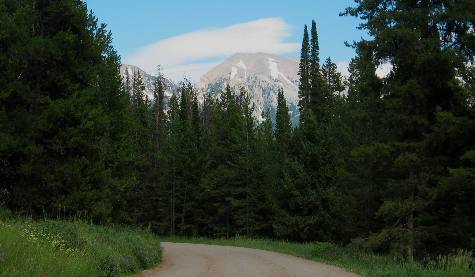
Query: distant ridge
point(261, 75)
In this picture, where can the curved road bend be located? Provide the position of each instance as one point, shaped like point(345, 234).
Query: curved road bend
point(199, 260)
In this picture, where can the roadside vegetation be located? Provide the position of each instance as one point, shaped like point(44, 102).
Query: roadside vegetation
point(73, 248)
point(359, 261)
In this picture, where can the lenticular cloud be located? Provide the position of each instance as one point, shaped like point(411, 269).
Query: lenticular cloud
point(191, 49)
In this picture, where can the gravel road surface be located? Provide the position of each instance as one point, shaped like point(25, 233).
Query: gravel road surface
point(199, 260)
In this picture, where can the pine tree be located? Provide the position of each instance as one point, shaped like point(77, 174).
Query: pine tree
point(159, 110)
point(317, 91)
point(144, 156)
point(188, 154)
point(332, 79)
point(304, 73)
point(225, 176)
point(314, 54)
point(127, 84)
point(154, 200)
point(196, 121)
point(365, 158)
point(172, 159)
point(455, 199)
point(421, 86)
point(283, 127)
point(262, 199)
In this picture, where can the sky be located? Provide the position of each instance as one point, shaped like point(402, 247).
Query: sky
point(187, 38)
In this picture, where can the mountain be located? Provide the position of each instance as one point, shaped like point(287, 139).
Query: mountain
point(148, 81)
point(261, 75)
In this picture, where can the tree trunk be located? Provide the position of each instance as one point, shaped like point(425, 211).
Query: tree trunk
point(410, 226)
point(172, 209)
point(183, 215)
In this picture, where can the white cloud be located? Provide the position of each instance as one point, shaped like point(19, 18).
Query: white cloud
point(183, 54)
point(192, 71)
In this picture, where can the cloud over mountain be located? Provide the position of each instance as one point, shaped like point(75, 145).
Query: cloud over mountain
point(193, 53)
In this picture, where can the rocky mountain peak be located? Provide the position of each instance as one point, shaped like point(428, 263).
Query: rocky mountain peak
point(261, 75)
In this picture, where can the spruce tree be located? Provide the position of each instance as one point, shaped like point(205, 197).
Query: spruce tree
point(317, 92)
point(365, 157)
point(144, 156)
point(314, 52)
point(172, 170)
point(333, 81)
point(283, 127)
point(159, 110)
point(262, 185)
point(224, 175)
point(154, 207)
point(421, 86)
point(304, 73)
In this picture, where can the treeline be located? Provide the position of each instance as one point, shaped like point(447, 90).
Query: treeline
point(386, 164)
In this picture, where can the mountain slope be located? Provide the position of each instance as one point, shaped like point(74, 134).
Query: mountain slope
point(148, 80)
point(261, 75)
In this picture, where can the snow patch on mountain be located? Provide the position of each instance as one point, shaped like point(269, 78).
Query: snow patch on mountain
point(241, 65)
point(274, 69)
point(234, 72)
point(261, 75)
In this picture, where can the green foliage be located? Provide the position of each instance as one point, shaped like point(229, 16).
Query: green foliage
point(417, 103)
point(283, 127)
point(60, 248)
point(332, 78)
point(63, 114)
point(304, 73)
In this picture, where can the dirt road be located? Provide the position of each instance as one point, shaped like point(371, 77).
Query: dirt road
point(193, 260)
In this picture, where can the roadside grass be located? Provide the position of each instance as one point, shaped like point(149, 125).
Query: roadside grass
point(73, 248)
point(361, 262)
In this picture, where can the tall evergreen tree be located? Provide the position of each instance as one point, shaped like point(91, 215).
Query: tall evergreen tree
point(172, 171)
point(365, 157)
point(262, 186)
point(154, 203)
point(159, 110)
point(314, 53)
point(283, 127)
point(333, 81)
point(144, 156)
point(304, 73)
point(316, 93)
point(422, 85)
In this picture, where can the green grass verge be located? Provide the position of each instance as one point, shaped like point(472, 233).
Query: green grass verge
point(364, 263)
point(64, 248)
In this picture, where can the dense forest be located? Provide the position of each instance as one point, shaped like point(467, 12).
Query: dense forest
point(386, 164)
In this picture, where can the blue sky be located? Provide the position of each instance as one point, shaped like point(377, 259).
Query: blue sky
point(189, 37)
